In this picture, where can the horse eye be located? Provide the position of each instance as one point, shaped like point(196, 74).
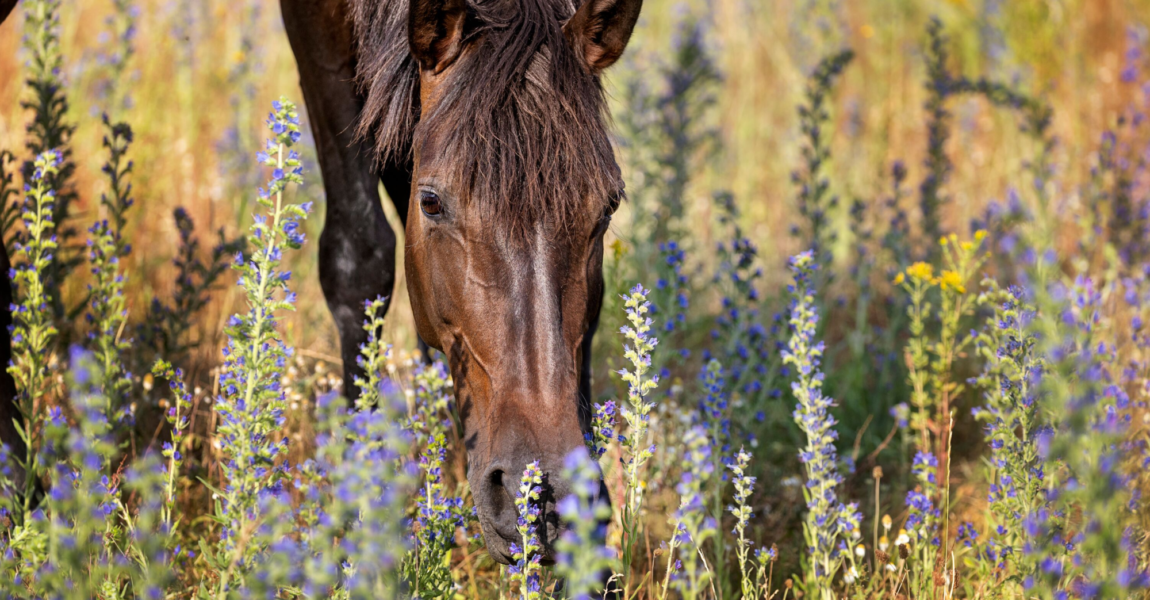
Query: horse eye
point(429, 203)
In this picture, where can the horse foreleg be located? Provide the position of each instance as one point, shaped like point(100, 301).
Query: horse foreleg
point(357, 247)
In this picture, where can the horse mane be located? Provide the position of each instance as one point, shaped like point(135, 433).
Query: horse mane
point(523, 121)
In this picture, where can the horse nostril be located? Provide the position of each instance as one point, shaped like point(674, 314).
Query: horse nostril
point(500, 501)
point(495, 479)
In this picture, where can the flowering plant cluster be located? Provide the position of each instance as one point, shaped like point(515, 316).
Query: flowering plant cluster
point(438, 513)
point(82, 539)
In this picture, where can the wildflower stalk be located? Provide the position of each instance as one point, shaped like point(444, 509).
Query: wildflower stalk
point(715, 414)
point(251, 403)
point(917, 281)
point(166, 330)
point(816, 203)
point(353, 532)
point(526, 572)
point(922, 523)
point(33, 334)
point(177, 416)
point(107, 310)
point(741, 510)
point(1009, 379)
point(114, 56)
point(745, 346)
point(48, 129)
point(373, 355)
point(691, 528)
point(602, 429)
point(938, 165)
point(829, 522)
point(636, 412)
point(962, 261)
point(439, 514)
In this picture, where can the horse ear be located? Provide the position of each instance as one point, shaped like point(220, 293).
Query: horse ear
point(435, 32)
point(599, 31)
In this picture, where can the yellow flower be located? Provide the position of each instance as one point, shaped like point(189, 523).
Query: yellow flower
point(618, 247)
point(921, 271)
point(980, 235)
point(898, 279)
point(951, 280)
point(967, 245)
point(867, 32)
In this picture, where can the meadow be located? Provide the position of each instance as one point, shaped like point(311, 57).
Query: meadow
point(877, 321)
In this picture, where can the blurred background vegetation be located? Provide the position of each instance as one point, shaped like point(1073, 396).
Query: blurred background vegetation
point(204, 70)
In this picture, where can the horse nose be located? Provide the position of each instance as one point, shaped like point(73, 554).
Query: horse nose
point(500, 485)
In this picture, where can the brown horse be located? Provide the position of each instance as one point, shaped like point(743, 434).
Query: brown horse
point(487, 115)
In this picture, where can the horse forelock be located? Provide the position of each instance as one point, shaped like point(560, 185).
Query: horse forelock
point(521, 120)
